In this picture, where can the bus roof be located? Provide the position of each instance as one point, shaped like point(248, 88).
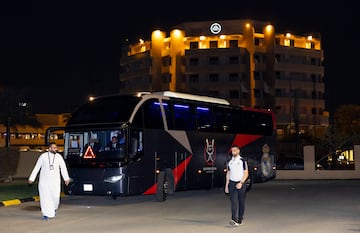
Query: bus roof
point(192, 97)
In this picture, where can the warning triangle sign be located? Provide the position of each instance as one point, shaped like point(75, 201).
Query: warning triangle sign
point(89, 154)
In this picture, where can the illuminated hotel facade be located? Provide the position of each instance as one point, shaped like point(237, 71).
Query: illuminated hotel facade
point(244, 61)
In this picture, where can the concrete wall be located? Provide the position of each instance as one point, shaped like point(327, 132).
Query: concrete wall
point(9, 159)
point(26, 164)
point(26, 161)
point(309, 171)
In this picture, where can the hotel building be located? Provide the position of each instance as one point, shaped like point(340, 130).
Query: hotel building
point(244, 61)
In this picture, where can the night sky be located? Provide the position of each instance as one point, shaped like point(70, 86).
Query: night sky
point(57, 53)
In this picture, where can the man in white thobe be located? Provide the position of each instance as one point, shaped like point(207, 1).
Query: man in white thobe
point(50, 164)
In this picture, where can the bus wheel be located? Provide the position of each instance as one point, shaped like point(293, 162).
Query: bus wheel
point(249, 182)
point(162, 186)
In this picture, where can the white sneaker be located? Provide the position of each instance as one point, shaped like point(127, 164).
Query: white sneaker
point(234, 223)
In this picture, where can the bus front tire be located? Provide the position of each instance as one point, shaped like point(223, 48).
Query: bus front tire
point(162, 186)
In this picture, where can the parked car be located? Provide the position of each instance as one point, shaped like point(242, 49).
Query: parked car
point(290, 163)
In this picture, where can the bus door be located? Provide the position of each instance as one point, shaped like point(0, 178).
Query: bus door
point(136, 167)
point(180, 170)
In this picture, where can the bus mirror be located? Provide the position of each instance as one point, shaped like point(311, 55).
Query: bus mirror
point(125, 125)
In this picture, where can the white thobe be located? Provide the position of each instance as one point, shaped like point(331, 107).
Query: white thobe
point(50, 166)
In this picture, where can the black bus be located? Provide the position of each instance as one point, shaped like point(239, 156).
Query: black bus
point(169, 141)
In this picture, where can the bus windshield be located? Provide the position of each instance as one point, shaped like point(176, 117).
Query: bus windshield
point(96, 144)
point(107, 109)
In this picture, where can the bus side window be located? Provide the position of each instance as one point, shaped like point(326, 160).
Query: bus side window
point(184, 116)
point(220, 124)
point(235, 119)
point(204, 118)
point(152, 115)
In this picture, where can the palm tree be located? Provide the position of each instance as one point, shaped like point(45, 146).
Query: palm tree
point(14, 111)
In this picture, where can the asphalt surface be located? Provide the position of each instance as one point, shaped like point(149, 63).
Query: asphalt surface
point(327, 206)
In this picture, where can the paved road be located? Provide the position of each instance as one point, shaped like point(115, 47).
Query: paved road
point(277, 206)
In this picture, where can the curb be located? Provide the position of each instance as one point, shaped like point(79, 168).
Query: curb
point(18, 201)
point(22, 200)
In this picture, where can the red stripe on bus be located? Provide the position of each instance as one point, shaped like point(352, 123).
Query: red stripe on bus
point(245, 139)
point(180, 169)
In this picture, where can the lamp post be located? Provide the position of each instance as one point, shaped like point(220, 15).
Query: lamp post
point(8, 123)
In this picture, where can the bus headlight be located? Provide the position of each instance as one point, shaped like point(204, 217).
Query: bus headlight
point(114, 179)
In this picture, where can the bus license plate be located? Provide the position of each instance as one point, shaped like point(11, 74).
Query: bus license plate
point(88, 187)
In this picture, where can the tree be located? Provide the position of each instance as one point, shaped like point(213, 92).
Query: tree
point(347, 124)
point(15, 111)
point(343, 133)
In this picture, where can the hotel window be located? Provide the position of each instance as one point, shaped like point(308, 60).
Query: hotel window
point(214, 77)
point(257, 41)
point(213, 60)
point(277, 58)
point(183, 61)
point(233, 77)
point(289, 42)
point(194, 61)
point(292, 43)
point(234, 60)
point(194, 45)
point(213, 44)
point(166, 61)
point(234, 94)
point(166, 78)
point(312, 61)
point(183, 78)
point(312, 45)
point(257, 59)
point(277, 75)
point(193, 78)
point(313, 111)
point(313, 78)
point(315, 61)
point(257, 93)
point(233, 43)
point(244, 76)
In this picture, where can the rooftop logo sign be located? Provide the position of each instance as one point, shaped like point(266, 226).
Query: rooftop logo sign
point(215, 28)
